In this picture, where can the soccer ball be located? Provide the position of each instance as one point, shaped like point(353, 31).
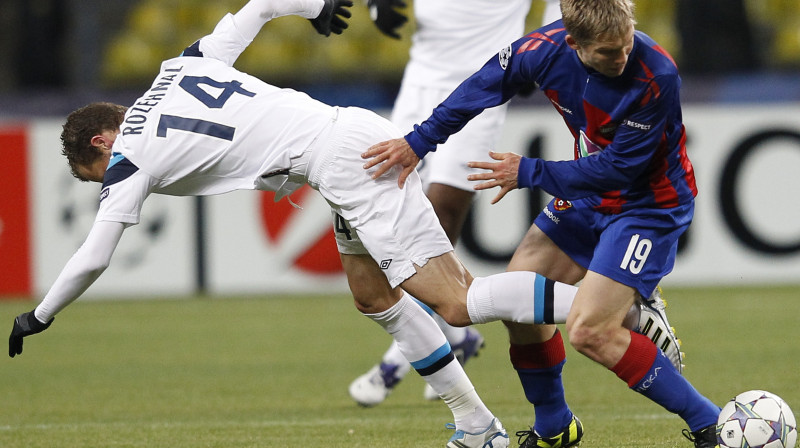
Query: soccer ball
point(756, 419)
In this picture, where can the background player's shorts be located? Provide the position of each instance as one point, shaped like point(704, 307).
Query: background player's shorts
point(636, 248)
point(398, 228)
point(448, 164)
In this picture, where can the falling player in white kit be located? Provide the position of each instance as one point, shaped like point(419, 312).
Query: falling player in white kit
point(453, 39)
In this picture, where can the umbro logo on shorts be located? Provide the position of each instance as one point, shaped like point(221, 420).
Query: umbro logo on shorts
point(385, 263)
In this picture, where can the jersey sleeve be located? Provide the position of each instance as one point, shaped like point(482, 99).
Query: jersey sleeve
point(620, 165)
point(236, 31)
point(125, 187)
point(85, 266)
point(494, 84)
point(225, 44)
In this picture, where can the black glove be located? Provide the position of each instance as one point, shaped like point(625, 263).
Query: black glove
point(329, 20)
point(25, 324)
point(386, 17)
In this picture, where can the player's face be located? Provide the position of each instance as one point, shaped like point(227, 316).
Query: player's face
point(607, 55)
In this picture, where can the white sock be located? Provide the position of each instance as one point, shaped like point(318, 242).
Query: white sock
point(454, 335)
point(423, 344)
point(521, 296)
point(395, 357)
point(469, 412)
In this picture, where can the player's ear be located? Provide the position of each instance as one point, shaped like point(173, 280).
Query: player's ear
point(99, 141)
point(571, 42)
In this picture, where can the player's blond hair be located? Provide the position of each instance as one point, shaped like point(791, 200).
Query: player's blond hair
point(81, 126)
point(588, 21)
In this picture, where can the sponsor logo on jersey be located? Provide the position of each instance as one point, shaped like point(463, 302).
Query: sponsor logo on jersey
point(104, 194)
point(560, 107)
point(561, 204)
point(504, 56)
point(385, 263)
point(536, 39)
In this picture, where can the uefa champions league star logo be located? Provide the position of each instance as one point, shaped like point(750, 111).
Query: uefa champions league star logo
point(77, 205)
point(505, 56)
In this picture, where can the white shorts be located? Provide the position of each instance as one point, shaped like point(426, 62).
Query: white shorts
point(448, 165)
point(397, 228)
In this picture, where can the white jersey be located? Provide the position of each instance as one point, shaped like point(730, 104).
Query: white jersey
point(454, 38)
point(207, 128)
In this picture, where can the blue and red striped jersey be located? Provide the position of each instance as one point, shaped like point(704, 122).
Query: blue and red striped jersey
point(629, 127)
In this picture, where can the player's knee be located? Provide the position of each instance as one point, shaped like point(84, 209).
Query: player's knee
point(587, 340)
point(374, 301)
point(454, 314)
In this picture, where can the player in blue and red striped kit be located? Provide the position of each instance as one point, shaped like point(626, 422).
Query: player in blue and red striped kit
point(620, 205)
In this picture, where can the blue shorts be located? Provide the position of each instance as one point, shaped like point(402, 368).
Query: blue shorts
point(636, 248)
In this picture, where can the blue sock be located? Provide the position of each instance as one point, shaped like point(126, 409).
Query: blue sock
point(539, 368)
point(543, 388)
point(665, 386)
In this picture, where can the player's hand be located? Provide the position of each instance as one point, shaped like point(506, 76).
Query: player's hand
point(391, 153)
point(501, 174)
point(332, 18)
point(386, 16)
point(25, 324)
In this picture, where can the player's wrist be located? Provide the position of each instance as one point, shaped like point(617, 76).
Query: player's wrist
point(527, 167)
point(418, 144)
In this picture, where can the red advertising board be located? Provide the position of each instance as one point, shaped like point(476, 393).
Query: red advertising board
point(15, 242)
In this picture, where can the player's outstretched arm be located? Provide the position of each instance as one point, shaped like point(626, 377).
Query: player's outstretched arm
point(332, 18)
point(501, 174)
point(386, 16)
point(78, 274)
point(391, 153)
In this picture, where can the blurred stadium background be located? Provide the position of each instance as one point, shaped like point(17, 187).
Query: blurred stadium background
point(242, 372)
point(57, 50)
point(740, 62)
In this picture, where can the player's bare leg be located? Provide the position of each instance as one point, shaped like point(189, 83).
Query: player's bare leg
point(595, 330)
point(595, 321)
point(451, 206)
point(442, 284)
point(423, 344)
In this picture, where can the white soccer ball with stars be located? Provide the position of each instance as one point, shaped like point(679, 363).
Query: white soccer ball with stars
point(756, 419)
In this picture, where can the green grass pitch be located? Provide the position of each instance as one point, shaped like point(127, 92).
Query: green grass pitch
point(273, 372)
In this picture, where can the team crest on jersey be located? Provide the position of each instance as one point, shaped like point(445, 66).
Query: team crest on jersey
point(504, 56)
point(560, 204)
